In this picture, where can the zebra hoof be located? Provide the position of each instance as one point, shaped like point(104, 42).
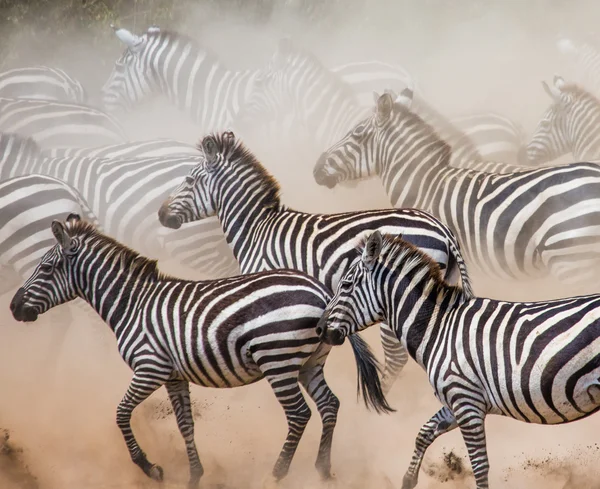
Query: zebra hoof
point(156, 473)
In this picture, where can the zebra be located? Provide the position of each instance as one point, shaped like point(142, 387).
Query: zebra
point(125, 193)
point(296, 81)
point(59, 124)
point(195, 81)
point(41, 83)
point(536, 222)
point(587, 61)
point(217, 333)
point(536, 362)
point(133, 149)
point(232, 184)
point(569, 125)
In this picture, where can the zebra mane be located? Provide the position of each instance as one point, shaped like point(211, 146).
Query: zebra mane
point(415, 120)
point(130, 259)
point(236, 153)
point(398, 251)
point(578, 92)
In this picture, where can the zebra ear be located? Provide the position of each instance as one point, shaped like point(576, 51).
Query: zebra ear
point(375, 97)
point(60, 233)
point(372, 249)
point(553, 92)
point(132, 41)
point(209, 146)
point(406, 97)
point(73, 217)
point(384, 106)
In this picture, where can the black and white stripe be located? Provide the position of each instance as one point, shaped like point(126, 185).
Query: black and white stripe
point(586, 61)
point(222, 333)
point(326, 107)
point(174, 65)
point(41, 83)
point(569, 125)
point(59, 124)
point(132, 149)
point(264, 235)
point(537, 362)
point(513, 225)
point(125, 193)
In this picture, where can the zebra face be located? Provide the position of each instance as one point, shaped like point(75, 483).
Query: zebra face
point(191, 201)
point(128, 83)
point(354, 306)
point(49, 284)
point(266, 101)
point(551, 139)
point(354, 156)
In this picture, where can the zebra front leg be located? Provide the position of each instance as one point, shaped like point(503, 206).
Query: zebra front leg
point(441, 422)
point(179, 394)
point(471, 422)
point(395, 355)
point(297, 413)
point(313, 380)
point(143, 383)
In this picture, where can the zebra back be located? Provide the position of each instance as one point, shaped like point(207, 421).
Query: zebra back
point(41, 83)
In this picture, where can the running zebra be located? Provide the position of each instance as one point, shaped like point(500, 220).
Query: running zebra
point(219, 333)
point(195, 81)
point(536, 362)
point(125, 193)
point(569, 125)
point(512, 225)
point(327, 107)
point(59, 124)
point(232, 184)
point(41, 83)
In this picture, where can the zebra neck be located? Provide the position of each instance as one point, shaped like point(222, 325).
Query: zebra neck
point(114, 292)
point(242, 220)
point(417, 313)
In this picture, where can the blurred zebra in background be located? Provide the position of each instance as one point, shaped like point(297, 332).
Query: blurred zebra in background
point(41, 83)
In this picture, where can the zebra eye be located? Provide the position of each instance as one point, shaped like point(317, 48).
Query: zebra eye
point(46, 267)
point(189, 180)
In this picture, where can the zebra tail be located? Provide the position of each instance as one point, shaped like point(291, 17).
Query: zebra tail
point(368, 382)
point(462, 269)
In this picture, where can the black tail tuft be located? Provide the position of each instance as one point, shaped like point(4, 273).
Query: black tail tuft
point(368, 381)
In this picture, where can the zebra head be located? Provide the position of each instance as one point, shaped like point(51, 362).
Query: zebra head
point(355, 155)
point(50, 284)
point(551, 138)
point(354, 306)
point(196, 197)
point(131, 79)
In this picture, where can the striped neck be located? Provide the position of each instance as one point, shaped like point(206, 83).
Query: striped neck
point(246, 195)
point(414, 297)
point(194, 79)
point(581, 123)
point(112, 277)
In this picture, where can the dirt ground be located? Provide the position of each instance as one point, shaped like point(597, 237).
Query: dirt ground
point(61, 382)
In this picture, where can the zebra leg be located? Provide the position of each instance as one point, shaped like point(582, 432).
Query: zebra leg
point(288, 393)
point(471, 422)
point(441, 422)
point(313, 380)
point(143, 383)
point(179, 394)
point(395, 357)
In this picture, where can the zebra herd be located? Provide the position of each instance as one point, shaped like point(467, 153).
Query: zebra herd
point(281, 286)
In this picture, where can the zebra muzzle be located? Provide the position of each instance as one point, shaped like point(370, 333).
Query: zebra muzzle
point(20, 310)
point(330, 336)
point(168, 219)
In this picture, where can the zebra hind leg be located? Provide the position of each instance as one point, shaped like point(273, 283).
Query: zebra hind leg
point(288, 393)
point(395, 354)
point(471, 422)
point(143, 383)
point(179, 394)
point(313, 380)
point(441, 422)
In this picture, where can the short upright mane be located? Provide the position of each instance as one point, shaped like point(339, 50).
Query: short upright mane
point(131, 260)
point(395, 249)
point(578, 92)
point(235, 152)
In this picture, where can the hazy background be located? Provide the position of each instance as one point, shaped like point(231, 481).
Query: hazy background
point(467, 55)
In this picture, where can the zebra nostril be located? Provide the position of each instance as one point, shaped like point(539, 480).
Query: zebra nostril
point(168, 219)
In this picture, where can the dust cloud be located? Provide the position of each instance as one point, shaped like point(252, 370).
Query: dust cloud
point(62, 382)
